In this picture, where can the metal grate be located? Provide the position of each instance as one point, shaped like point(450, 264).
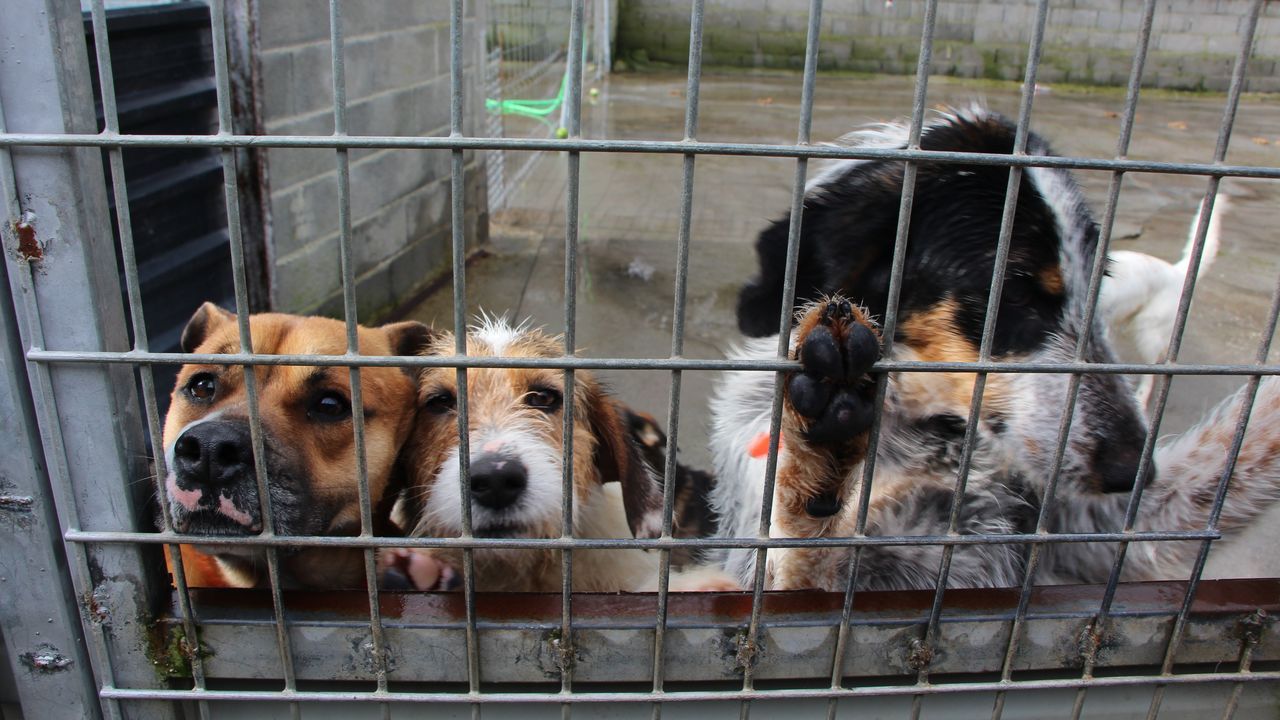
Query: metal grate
point(718, 644)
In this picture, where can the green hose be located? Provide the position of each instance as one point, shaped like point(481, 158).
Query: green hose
point(536, 109)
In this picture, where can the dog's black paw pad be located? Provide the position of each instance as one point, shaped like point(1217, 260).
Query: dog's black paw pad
point(808, 394)
point(820, 354)
point(861, 349)
point(846, 416)
point(824, 505)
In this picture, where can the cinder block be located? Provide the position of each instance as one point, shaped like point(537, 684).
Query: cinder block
point(385, 176)
point(392, 60)
point(276, 68)
point(307, 278)
point(959, 31)
point(1180, 42)
point(427, 209)
point(379, 236)
point(420, 263)
point(290, 22)
point(309, 86)
point(389, 15)
point(1268, 84)
point(303, 214)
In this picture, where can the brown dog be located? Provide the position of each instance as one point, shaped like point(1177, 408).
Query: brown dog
point(308, 442)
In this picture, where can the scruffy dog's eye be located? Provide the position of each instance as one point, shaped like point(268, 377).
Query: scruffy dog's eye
point(440, 402)
point(544, 399)
point(329, 407)
point(202, 387)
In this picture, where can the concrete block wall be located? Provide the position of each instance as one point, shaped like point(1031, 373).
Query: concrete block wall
point(397, 71)
point(1086, 41)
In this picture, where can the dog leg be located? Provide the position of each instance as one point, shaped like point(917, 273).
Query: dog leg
point(1190, 468)
point(828, 411)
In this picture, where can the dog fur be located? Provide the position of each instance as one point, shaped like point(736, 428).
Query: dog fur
point(1139, 297)
point(846, 247)
point(516, 436)
point(309, 445)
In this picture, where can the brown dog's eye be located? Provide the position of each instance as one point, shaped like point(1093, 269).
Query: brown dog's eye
point(544, 399)
point(440, 403)
point(329, 407)
point(202, 387)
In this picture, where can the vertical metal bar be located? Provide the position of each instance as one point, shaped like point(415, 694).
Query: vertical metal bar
point(890, 328)
point(1251, 629)
point(573, 104)
point(458, 225)
point(750, 642)
point(1095, 284)
point(350, 315)
point(141, 342)
point(231, 194)
point(46, 86)
point(692, 88)
point(96, 657)
point(988, 334)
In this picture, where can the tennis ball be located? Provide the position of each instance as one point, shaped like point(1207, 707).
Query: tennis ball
point(562, 133)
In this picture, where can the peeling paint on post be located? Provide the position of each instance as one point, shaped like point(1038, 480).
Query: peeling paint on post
point(45, 659)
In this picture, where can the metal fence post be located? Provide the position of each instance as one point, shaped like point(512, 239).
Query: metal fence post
point(45, 641)
point(66, 294)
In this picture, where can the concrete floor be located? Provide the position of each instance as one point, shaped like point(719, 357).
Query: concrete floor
point(630, 206)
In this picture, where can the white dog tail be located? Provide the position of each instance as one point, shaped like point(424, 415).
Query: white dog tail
point(1190, 468)
point(1212, 237)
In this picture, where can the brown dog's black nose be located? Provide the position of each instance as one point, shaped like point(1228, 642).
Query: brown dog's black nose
point(213, 455)
point(497, 480)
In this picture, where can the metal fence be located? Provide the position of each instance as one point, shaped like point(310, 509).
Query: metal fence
point(527, 78)
point(121, 643)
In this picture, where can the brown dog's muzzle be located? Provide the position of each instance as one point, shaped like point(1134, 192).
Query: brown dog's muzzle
point(213, 473)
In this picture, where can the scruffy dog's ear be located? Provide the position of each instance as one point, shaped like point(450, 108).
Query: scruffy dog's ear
point(617, 459)
point(409, 338)
point(202, 324)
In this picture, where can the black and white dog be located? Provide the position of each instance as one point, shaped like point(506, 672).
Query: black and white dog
point(846, 253)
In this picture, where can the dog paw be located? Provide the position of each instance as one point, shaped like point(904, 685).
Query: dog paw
point(410, 569)
point(833, 394)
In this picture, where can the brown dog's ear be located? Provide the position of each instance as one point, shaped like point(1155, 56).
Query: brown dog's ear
point(202, 323)
point(409, 338)
point(617, 458)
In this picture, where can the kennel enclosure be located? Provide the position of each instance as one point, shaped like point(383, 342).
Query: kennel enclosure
point(93, 625)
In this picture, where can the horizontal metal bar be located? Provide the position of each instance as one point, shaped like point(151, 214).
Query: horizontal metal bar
point(673, 363)
point(692, 696)
point(104, 536)
point(682, 147)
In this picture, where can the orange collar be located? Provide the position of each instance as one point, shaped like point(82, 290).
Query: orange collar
point(759, 445)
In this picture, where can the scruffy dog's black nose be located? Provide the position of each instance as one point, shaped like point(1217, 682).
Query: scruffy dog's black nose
point(497, 480)
point(213, 455)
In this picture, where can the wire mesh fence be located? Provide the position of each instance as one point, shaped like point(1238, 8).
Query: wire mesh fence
point(527, 78)
point(472, 649)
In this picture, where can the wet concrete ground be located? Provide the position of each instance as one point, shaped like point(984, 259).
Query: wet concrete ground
point(630, 207)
